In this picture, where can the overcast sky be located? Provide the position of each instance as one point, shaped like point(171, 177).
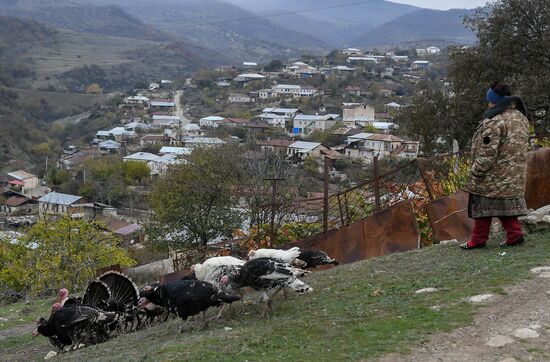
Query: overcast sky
point(443, 4)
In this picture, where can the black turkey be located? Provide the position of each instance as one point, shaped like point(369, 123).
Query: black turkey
point(265, 274)
point(314, 258)
point(75, 324)
point(185, 298)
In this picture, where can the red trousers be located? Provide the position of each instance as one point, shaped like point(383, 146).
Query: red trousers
point(482, 226)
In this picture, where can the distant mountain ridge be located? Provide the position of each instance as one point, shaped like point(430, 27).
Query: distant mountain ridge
point(105, 20)
point(417, 26)
point(223, 27)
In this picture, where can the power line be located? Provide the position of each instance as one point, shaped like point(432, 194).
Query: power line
point(282, 13)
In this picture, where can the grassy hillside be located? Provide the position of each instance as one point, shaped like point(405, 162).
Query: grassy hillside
point(44, 57)
point(357, 311)
point(25, 118)
point(420, 25)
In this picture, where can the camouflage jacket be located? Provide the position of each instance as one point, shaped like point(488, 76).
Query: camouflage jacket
point(499, 152)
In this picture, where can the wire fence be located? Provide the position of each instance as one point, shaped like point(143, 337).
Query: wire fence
point(419, 180)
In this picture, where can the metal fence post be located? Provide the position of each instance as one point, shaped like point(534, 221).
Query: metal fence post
point(426, 182)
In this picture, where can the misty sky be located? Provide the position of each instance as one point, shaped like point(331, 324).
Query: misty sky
point(443, 4)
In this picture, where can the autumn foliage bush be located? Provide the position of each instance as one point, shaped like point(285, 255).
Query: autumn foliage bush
point(63, 253)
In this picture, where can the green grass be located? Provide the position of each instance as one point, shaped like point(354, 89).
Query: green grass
point(357, 311)
point(22, 313)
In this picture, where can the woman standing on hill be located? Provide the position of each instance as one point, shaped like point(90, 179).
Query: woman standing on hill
point(498, 173)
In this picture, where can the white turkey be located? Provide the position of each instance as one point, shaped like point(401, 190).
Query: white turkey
point(290, 256)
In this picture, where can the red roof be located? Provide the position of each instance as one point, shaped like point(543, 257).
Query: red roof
point(16, 182)
point(15, 201)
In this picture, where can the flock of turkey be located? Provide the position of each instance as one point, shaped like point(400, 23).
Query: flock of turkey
point(113, 304)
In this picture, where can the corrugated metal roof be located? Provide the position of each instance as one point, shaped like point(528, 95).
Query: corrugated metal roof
point(304, 145)
point(176, 150)
point(141, 156)
point(20, 175)
point(59, 198)
point(109, 144)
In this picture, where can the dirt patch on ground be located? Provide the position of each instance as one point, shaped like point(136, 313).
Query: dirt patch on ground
point(525, 305)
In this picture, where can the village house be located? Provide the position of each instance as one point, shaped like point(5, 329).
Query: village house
point(275, 120)
point(248, 77)
point(421, 52)
point(233, 122)
point(266, 94)
point(275, 145)
point(305, 124)
point(18, 205)
point(357, 114)
point(400, 58)
point(367, 145)
point(191, 130)
point(158, 139)
point(169, 121)
point(294, 90)
point(109, 147)
point(162, 104)
point(289, 112)
point(352, 52)
point(138, 99)
point(393, 106)
point(223, 83)
point(351, 90)
point(118, 134)
point(250, 65)
point(342, 69)
point(22, 181)
point(301, 70)
point(211, 121)
point(163, 163)
point(193, 142)
point(300, 150)
point(129, 233)
point(135, 126)
point(148, 158)
point(257, 128)
point(77, 160)
point(56, 203)
point(154, 86)
point(432, 50)
point(420, 64)
point(175, 150)
point(363, 60)
point(238, 98)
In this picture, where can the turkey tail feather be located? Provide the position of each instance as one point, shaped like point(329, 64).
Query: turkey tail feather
point(123, 289)
point(96, 293)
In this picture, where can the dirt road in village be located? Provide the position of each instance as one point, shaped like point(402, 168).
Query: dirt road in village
point(510, 327)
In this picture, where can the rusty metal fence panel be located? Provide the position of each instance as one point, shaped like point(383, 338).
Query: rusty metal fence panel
point(391, 230)
point(537, 192)
point(449, 217)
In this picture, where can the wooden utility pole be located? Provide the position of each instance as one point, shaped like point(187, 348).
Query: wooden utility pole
point(325, 194)
point(376, 184)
